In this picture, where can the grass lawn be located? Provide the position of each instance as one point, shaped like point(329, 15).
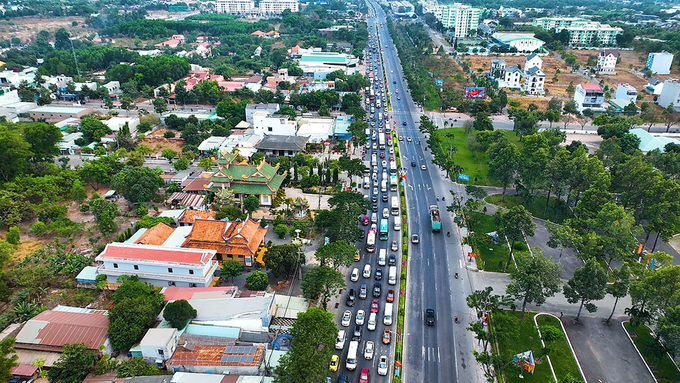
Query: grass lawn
point(662, 366)
point(563, 360)
point(557, 211)
point(491, 257)
point(474, 163)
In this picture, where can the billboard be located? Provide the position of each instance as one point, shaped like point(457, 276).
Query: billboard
point(439, 82)
point(475, 93)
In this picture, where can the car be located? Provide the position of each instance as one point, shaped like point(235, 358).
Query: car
point(383, 163)
point(355, 275)
point(387, 336)
point(390, 296)
point(378, 274)
point(375, 192)
point(391, 71)
point(364, 376)
point(340, 340)
point(367, 271)
point(430, 317)
point(374, 208)
point(391, 158)
point(335, 361)
point(375, 306)
point(346, 318)
point(403, 123)
point(408, 139)
point(377, 290)
point(360, 317)
point(374, 198)
point(394, 81)
point(423, 167)
point(382, 155)
point(384, 197)
point(415, 239)
point(394, 246)
point(342, 379)
point(382, 365)
point(356, 335)
point(401, 138)
point(413, 164)
point(391, 260)
point(375, 180)
point(362, 292)
point(386, 213)
point(364, 220)
point(375, 146)
point(372, 322)
point(373, 124)
point(391, 150)
point(351, 298)
point(398, 98)
point(369, 350)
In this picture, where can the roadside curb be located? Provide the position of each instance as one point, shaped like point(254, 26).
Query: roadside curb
point(638, 351)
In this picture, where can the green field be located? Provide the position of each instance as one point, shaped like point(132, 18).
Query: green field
point(662, 366)
point(527, 338)
point(491, 257)
point(557, 211)
point(474, 163)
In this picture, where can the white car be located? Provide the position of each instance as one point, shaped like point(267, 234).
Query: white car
point(369, 350)
point(391, 150)
point(382, 365)
point(383, 163)
point(386, 212)
point(355, 275)
point(367, 271)
point(361, 317)
point(340, 341)
point(346, 318)
point(372, 321)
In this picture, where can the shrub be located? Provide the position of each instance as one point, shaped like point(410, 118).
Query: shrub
point(178, 313)
point(13, 235)
point(84, 208)
point(257, 281)
point(169, 134)
point(281, 230)
point(39, 228)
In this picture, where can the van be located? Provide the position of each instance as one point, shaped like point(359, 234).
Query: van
point(387, 319)
point(397, 223)
point(383, 186)
point(367, 182)
point(340, 340)
point(351, 363)
point(372, 322)
point(374, 160)
point(382, 257)
point(392, 275)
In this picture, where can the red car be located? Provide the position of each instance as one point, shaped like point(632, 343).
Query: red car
point(375, 305)
point(387, 336)
point(364, 221)
point(382, 155)
point(365, 375)
point(390, 296)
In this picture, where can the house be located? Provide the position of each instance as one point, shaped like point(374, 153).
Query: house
point(45, 335)
point(654, 86)
point(618, 106)
point(589, 96)
point(172, 43)
point(203, 49)
point(115, 123)
point(238, 240)
point(190, 216)
point(535, 80)
point(626, 92)
point(251, 109)
point(159, 345)
point(533, 61)
point(275, 145)
point(606, 61)
point(318, 129)
point(156, 235)
point(276, 124)
point(274, 80)
point(205, 354)
point(660, 62)
point(267, 35)
point(670, 95)
point(158, 265)
point(512, 78)
point(497, 70)
point(67, 144)
point(48, 112)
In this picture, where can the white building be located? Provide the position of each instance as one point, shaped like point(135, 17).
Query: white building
point(593, 34)
point(115, 123)
point(319, 64)
point(158, 265)
point(533, 61)
point(670, 95)
point(275, 7)
point(654, 86)
point(462, 18)
point(589, 96)
point(277, 124)
point(159, 344)
point(402, 8)
point(558, 23)
point(660, 63)
point(626, 92)
point(235, 7)
point(512, 78)
point(252, 108)
point(535, 80)
point(318, 129)
point(606, 61)
point(522, 41)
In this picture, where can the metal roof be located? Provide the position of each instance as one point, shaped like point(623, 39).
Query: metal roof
point(62, 325)
point(278, 142)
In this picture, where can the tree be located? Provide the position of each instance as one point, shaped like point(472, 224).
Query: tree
point(281, 230)
point(257, 281)
point(160, 105)
point(75, 362)
point(619, 288)
point(178, 313)
point(104, 212)
point(181, 164)
point(13, 236)
point(336, 254)
point(14, 153)
point(230, 212)
point(232, 268)
point(570, 107)
point(650, 117)
point(323, 109)
point(555, 104)
point(321, 283)
point(137, 305)
point(526, 123)
point(43, 139)
point(482, 122)
point(552, 115)
point(503, 167)
point(670, 117)
point(535, 278)
point(515, 223)
point(283, 260)
point(130, 368)
point(93, 129)
point(8, 358)
point(169, 154)
point(314, 333)
point(137, 184)
point(587, 285)
point(206, 163)
point(251, 203)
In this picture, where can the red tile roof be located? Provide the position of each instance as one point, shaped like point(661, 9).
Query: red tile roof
point(56, 328)
point(234, 238)
point(156, 235)
point(195, 184)
point(137, 252)
point(192, 215)
point(177, 293)
point(591, 86)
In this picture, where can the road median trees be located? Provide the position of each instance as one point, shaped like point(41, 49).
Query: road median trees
point(587, 285)
point(535, 278)
point(515, 223)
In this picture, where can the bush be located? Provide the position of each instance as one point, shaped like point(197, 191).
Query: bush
point(178, 313)
point(13, 235)
point(39, 228)
point(281, 230)
point(257, 281)
point(520, 246)
point(84, 208)
point(142, 210)
point(169, 134)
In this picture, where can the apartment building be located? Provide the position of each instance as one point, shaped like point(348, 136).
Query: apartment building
point(235, 7)
point(670, 94)
point(275, 7)
point(463, 19)
point(558, 23)
point(593, 34)
point(660, 62)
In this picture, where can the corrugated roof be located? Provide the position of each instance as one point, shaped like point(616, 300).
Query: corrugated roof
point(55, 328)
point(278, 142)
point(191, 215)
point(210, 356)
point(24, 370)
point(155, 235)
point(187, 199)
point(187, 293)
point(137, 252)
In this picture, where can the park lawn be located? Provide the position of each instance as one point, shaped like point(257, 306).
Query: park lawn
point(662, 366)
point(474, 163)
point(562, 358)
point(491, 257)
point(557, 211)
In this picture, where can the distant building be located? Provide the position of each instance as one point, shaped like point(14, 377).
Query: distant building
point(275, 145)
point(318, 64)
point(274, 124)
point(558, 23)
point(533, 61)
point(626, 92)
point(535, 80)
point(159, 345)
point(589, 96)
point(512, 78)
point(606, 61)
point(670, 94)
point(252, 108)
point(654, 86)
point(522, 41)
point(235, 7)
point(659, 63)
point(464, 19)
point(48, 112)
point(275, 7)
point(582, 32)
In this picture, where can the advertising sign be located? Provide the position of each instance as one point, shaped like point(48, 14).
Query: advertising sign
point(475, 93)
point(439, 82)
point(463, 177)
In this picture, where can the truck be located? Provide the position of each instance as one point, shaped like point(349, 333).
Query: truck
point(435, 218)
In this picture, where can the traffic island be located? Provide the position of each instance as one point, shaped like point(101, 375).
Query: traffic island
point(658, 362)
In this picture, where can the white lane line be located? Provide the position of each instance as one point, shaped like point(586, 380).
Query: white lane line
point(439, 356)
point(423, 353)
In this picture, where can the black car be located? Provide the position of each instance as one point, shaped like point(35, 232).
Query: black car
point(374, 208)
point(404, 123)
point(384, 197)
point(430, 317)
point(374, 198)
point(362, 234)
point(351, 298)
point(342, 379)
point(378, 274)
point(413, 164)
point(392, 260)
point(356, 335)
point(377, 290)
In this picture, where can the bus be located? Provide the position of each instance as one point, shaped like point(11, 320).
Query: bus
point(368, 133)
point(384, 229)
point(394, 205)
point(372, 94)
point(370, 241)
point(381, 141)
point(393, 167)
point(393, 183)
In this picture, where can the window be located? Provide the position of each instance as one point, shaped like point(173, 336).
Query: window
point(270, 129)
point(191, 272)
point(160, 352)
point(169, 269)
point(115, 265)
point(136, 267)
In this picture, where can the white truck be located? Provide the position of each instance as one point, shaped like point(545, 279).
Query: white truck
point(351, 362)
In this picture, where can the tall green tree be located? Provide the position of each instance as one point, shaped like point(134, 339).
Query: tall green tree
point(503, 167)
point(283, 260)
point(322, 283)
point(535, 278)
point(588, 284)
point(251, 203)
point(137, 184)
point(43, 139)
point(232, 268)
point(178, 313)
point(8, 358)
point(619, 288)
point(15, 152)
point(515, 223)
point(75, 362)
point(105, 213)
point(336, 254)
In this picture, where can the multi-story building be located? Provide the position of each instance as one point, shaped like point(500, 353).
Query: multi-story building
point(235, 7)
point(275, 7)
point(626, 92)
point(497, 68)
point(462, 18)
point(512, 78)
point(278, 124)
point(660, 62)
point(558, 23)
point(593, 34)
point(606, 61)
point(533, 61)
point(589, 96)
point(251, 109)
point(670, 94)
point(535, 80)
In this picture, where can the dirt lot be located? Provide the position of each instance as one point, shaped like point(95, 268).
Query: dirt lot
point(157, 142)
point(27, 28)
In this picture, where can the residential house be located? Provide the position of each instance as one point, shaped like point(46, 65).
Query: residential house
point(626, 92)
point(511, 78)
point(654, 86)
point(275, 145)
point(205, 354)
point(618, 106)
point(48, 112)
point(535, 80)
point(589, 96)
point(274, 80)
point(670, 95)
point(158, 265)
point(318, 129)
point(211, 143)
point(238, 240)
point(660, 62)
point(533, 61)
point(67, 144)
point(267, 35)
point(497, 70)
point(252, 108)
point(172, 43)
point(606, 61)
point(276, 124)
point(159, 345)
